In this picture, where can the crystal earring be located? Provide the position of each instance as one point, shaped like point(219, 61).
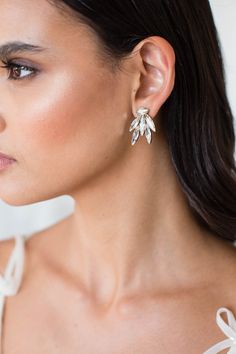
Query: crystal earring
point(142, 123)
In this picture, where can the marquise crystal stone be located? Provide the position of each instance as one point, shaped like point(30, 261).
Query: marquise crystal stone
point(150, 123)
point(148, 135)
point(134, 124)
point(142, 124)
point(135, 136)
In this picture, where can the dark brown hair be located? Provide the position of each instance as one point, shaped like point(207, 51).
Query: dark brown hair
point(197, 118)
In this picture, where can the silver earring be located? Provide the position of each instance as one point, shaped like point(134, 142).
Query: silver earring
point(142, 123)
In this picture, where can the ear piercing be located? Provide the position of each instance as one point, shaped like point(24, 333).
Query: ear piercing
point(142, 124)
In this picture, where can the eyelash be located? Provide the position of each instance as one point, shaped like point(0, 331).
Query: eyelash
point(9, 65)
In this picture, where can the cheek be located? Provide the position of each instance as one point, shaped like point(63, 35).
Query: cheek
point(54, 114)
point(72, 130)
point(69, 121)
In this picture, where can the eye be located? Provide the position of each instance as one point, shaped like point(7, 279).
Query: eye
point(16, 70)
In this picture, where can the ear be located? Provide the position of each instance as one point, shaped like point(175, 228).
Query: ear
point(154, 75)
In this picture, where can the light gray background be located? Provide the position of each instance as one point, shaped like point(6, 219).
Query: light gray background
point(31, 218)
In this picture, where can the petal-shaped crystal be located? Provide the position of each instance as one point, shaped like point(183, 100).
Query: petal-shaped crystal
point(148, 135)
point(135, 136)
point(143, 125)
point(150, 123)
point(134, 124)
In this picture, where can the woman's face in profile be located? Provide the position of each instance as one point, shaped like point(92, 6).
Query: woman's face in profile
point(61, 111)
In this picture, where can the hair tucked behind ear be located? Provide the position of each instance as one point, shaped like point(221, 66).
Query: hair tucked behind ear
point(196, 118)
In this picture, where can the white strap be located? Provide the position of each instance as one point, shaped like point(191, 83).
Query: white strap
point(11, 280)
point(229, 329)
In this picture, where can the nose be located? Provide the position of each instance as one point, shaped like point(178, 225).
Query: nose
point(2, 124)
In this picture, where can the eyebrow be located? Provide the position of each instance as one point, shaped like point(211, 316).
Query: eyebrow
point(16, 47)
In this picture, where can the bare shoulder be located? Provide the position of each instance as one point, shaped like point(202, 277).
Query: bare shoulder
point(223, 270)
point(229, 280)
point(7, 247)
point(39, 246)
point(43, 245)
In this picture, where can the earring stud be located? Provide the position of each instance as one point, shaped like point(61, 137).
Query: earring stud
point(142, 124)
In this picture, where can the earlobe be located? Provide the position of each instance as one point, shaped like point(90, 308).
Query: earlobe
point(157, 80)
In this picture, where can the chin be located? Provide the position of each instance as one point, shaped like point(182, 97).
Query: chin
point(14, 201)
point(15, 198)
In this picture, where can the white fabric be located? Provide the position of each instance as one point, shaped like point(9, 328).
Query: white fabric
point(229, 329)
point(10, 283)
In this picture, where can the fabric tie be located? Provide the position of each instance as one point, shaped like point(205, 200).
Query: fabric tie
point(10, 281)
point(229, 329)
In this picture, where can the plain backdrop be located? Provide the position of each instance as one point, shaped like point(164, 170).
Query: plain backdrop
point(31, 218)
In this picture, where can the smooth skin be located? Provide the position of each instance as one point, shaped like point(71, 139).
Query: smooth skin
point(131, 271)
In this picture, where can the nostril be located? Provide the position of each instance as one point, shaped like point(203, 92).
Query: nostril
point(2, 124)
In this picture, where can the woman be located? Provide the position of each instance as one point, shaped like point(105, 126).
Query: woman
point(121, 105)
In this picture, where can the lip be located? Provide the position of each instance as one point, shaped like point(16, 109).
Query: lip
point(5, 161)
point(6, 157)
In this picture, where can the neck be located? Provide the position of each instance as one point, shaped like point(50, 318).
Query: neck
point(132, 229)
